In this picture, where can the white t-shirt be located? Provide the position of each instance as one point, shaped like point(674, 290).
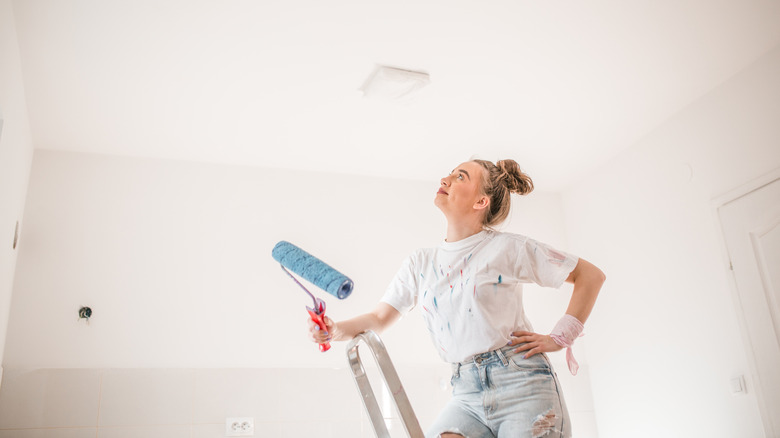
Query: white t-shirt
point(470, 292)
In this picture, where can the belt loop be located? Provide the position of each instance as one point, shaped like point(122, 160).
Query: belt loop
point(501, 356)
point(457, 370)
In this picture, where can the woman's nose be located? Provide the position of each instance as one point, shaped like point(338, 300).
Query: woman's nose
point(444, 181)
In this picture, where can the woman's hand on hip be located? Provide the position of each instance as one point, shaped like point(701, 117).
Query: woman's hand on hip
point(533, 343)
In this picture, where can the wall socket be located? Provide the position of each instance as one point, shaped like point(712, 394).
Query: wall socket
point(240, 426)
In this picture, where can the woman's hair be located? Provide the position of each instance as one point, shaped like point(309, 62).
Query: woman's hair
point(498, 182)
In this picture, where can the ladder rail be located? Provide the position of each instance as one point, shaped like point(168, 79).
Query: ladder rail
point(391, 380)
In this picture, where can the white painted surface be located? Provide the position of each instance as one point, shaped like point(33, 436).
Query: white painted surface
point(16, 150)
point(274, 83)
point(751, 226)
point(664, 340)
point(152, 403)
point(174, 260)
point(658, 189)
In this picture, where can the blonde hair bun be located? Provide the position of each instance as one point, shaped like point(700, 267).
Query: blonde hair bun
point(515, 179)
point(498, 182)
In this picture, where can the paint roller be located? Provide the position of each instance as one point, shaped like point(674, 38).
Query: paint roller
point(318, 273)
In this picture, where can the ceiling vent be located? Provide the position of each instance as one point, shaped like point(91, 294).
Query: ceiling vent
point(393, 84)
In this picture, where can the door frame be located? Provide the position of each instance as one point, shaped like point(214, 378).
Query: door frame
point(716, 204)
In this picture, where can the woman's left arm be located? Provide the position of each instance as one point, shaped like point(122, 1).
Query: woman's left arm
point(587, 280)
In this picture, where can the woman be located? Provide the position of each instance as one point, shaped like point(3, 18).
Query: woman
point(469, 290)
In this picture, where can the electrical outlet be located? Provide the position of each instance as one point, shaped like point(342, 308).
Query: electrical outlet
point(240, 426)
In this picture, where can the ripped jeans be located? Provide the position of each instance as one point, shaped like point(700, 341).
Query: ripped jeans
point(499, 394)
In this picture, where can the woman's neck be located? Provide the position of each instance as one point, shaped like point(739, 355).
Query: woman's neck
point(460, 230)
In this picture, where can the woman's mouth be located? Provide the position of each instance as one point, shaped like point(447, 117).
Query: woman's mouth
point(441, 192)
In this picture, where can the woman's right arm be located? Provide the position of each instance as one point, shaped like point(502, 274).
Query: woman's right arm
point(377, 320)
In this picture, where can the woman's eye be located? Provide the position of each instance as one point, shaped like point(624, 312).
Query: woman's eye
point(460, 176)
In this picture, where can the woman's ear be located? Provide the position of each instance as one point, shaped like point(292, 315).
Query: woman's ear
point(482, 203)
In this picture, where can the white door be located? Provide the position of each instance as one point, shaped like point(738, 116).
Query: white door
point(751, 227)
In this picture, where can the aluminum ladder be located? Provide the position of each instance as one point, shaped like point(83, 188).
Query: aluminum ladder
point(393, 383)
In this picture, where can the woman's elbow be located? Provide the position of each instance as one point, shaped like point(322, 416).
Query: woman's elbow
point(588, 272)
point(601, 277)
point(386, 315)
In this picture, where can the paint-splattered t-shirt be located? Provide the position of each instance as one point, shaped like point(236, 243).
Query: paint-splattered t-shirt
point(470, 292)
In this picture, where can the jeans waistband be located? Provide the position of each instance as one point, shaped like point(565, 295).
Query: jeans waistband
point(499, 354)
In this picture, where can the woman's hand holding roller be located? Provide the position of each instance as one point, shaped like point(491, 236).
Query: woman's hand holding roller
point(318, 335)
point(377, 320)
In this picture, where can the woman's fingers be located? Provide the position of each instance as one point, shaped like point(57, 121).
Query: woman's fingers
point(522, 333)
point(521, 337)
point(533, 351)
point(533, 343)
point(318, 335)
point(522, 340)
point(526, 347)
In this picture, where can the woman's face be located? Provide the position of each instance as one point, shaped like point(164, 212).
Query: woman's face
point(460, 193)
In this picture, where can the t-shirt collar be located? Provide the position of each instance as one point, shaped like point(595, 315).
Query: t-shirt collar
point(465, 243)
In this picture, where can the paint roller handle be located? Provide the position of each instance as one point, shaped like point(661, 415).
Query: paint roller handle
point(319, 319)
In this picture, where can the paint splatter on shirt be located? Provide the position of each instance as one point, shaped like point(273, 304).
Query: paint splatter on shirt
point(470, 321)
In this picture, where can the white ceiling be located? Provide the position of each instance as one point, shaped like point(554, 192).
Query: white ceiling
point(558, 86)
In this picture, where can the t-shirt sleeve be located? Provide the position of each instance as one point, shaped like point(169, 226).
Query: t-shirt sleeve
point(544, 265)
point(402, 291)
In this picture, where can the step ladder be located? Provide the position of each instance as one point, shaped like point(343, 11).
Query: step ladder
point(391, 380)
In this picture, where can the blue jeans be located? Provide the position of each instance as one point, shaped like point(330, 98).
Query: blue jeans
point(499, 394)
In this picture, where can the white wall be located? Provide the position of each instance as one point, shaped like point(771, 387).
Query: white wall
point(174, 259)
point(194, 403)
point(664, 337)
point(16, 152)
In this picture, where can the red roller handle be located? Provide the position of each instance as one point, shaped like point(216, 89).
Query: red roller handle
point(319, 318)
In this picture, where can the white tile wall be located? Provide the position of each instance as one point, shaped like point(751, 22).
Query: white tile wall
point(134, 397)
point(351, 429)
point(317, 396)
point(49, 433)
point(223, 393)
point(179, 403)
point(218, 430)
point(147, 432)
point(428, 390)
point(194, 403)
point(49, 398)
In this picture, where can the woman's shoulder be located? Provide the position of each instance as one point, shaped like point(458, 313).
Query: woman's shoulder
point(504, 237)
point(422, 253)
